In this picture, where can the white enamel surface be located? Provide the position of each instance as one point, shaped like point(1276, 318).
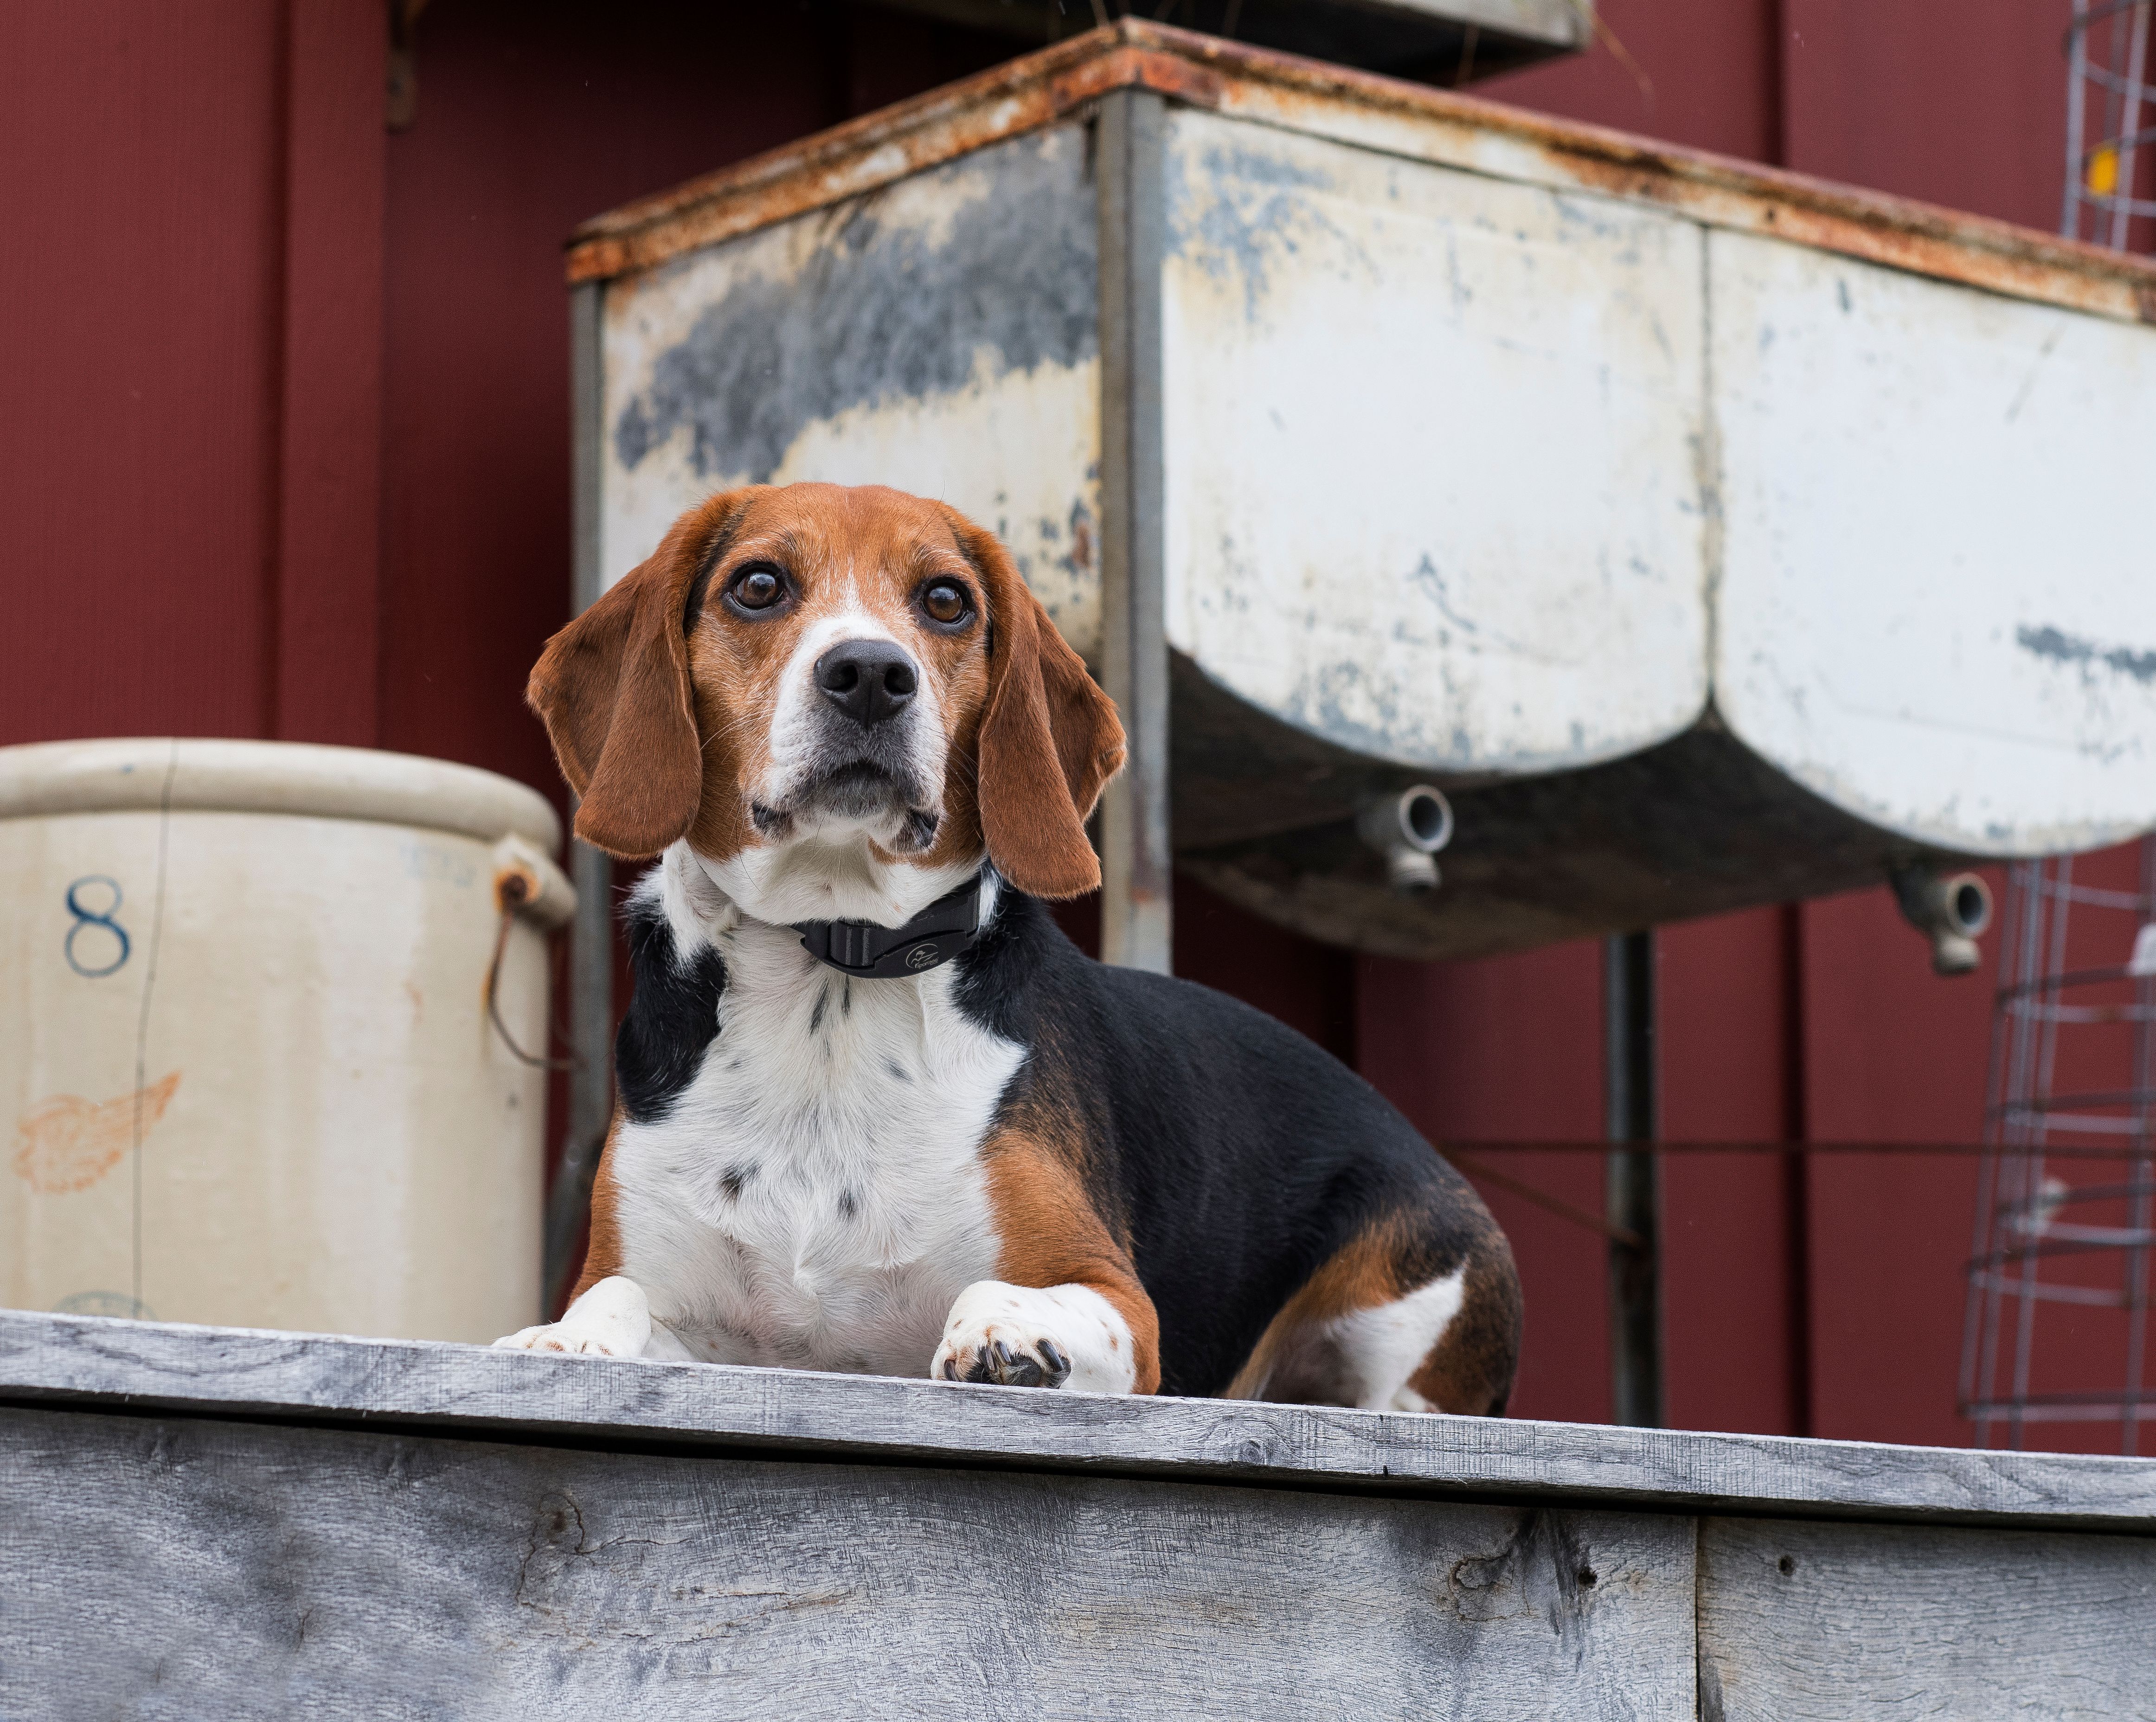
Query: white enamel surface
point(344, 1145)
point(1433, 490)
point(1938, 602)
point(1011, 444)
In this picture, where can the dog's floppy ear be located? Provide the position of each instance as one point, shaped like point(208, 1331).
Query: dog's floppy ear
point(1050, 740)
point(613, 687)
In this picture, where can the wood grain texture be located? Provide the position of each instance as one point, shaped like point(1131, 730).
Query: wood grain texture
point(303, 1377)
point(182, 1568)
point(1891, 1623)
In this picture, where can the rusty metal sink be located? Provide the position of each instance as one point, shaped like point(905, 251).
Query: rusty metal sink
point(1710, 535)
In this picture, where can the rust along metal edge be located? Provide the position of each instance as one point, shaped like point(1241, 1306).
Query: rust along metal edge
point(1365, 109)
point(877, 150)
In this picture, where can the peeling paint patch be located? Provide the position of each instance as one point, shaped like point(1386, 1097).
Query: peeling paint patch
point(879, 311)
point(1246, 212)
point(1340, 701)
point(2064, 648)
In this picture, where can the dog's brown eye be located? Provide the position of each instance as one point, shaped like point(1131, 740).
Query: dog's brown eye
point(756, 589)
point(945, 602)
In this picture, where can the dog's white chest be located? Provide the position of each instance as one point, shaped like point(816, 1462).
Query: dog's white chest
point(814, 1199)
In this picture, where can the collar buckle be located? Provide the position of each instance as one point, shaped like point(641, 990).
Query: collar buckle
point(948, 927)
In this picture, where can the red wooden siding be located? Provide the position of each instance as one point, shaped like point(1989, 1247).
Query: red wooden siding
point(142, 290)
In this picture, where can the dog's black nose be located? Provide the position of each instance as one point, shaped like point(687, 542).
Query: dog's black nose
point(868, 680)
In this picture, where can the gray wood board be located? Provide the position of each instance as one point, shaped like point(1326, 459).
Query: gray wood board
point(1810, 1622)
point(541, 1397)
point(184, 1568)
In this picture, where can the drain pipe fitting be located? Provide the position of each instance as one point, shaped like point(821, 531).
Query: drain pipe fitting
point(1408, 830)
point(1949, 909)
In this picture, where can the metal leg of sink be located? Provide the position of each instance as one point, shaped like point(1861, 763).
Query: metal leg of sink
point(1136, 865)
point(591, 934)
point(1635, 1197)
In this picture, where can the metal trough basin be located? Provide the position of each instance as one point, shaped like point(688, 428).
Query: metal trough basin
point(1711, 536)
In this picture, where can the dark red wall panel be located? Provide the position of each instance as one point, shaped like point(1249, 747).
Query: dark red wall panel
point(328, 596)
point(1698, 72)
point(1731, 1278)
point(1893, 1053)
point(1960, 102)
point(142, 284)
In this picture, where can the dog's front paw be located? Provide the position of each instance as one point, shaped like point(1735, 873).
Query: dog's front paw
point(612, 1319)
point(568, 1336)
point(1011, 1336)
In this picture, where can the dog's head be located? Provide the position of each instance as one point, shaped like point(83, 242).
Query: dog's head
point(826, 691)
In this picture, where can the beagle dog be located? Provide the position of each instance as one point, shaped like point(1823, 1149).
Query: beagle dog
point(877, 1114)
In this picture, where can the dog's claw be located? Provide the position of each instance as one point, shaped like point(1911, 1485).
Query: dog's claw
point(999, 1335)
point(998, 1364)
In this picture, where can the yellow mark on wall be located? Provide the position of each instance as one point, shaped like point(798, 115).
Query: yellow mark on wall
point(2103, 170)
point(68, 1142)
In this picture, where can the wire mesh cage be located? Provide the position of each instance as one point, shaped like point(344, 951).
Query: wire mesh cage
point(2056, 1324)
point(2111, 125)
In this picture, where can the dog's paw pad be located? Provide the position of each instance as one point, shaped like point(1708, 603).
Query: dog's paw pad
point(1000, 1359)
point(1034, 1336)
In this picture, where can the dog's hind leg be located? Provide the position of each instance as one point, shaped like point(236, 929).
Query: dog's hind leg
point(1376, 1328)
point(1470, 1366)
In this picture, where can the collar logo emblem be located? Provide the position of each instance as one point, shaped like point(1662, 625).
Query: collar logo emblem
point(921, 956)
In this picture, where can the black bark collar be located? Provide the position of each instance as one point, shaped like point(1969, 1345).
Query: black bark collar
point(945, 928)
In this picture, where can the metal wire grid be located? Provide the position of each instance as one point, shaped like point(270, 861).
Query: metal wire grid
point(2111, 119)
point(2020, 1234)
point(2024, 1228)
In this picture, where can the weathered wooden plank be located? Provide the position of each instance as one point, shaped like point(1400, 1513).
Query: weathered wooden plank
point(298, 1377)
point(1878, 1623)
point(195, 1568)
